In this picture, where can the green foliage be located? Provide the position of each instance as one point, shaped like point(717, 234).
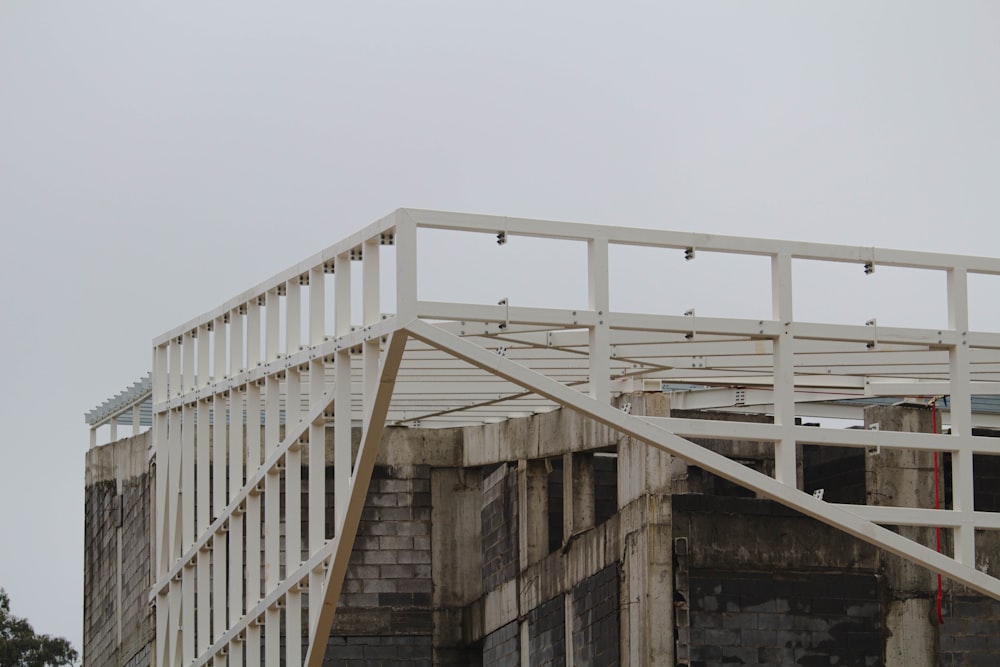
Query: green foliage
point(21, 647)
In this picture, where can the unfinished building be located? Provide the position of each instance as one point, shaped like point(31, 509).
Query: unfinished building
point(332, 468)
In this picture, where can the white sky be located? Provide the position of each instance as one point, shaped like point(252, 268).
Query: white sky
point(156, 160)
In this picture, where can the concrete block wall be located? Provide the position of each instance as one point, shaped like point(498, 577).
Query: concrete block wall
point(971, 631)
point(100, 613)
point(595, 617)
point(390, 651)
point(390, 566)
point(500, 527)
point(385, 609)
point(547, 634)
point(502, 647)
point(138, 620)
point(784, 619)
point(118, 620)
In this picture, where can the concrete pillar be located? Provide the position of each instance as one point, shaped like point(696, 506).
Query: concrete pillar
point(533, 517)
point(578, 494)
point(456, 561)
point(647, 594)
point(905, 478)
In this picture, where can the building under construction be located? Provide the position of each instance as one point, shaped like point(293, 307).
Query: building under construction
point(334, 468)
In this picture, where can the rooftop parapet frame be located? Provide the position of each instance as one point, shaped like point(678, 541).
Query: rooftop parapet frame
point(311, 348)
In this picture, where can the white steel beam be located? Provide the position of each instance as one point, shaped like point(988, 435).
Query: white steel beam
point(784, 369)
point(739, 245)
point(960, 403)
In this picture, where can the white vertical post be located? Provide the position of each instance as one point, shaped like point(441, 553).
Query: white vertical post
point(176, 382)
point(960, 403)
point(252, 524)
point(188, 379)
point(342, 295)
point(317, 303)
point(236, 477)
point(406, 267)
point(342, 459)
point(251, 647)
point(174, 518)
point(220, 338)
point(272, 616)
point(253, 333)
point(293, 626)
point(219, 598)
point(174, 501)
point(342, 463)
point(203, 442)
point(272, 328)
point(599, 301)
point(272, 413)
point(784, 370)
point(162, 628)
point(293, 315)
point(371, 313)
point(237, 319)
point(293, 489)
point(235, 535)
point(203, 446)
point(272, 488)
point(236, 411)
point(236, 582)
point(371, 302)
point(160, 542)
point(204, 600)
point(173, 624)
point(160, 547)
point(219, 419)
point(204, 356)
point(317, 437)
point(293, 519)
point(272, 636)
point(160, 376)
point(113, 428)
point(187, 613)
point(187, 487)
point(317, 485)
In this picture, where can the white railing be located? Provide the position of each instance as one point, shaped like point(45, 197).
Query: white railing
point(242, 397)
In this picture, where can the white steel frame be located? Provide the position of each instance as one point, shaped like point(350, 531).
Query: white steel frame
point(435, 364)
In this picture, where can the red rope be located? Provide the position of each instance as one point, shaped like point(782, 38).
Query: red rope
point(937, 505)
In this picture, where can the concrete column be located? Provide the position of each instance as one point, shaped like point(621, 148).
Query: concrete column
point(533, 515)
point(457, 565)
point(647, 594)
point(578, 494)
point(905, 478)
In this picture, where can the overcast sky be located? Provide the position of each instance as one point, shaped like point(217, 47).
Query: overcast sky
point(158, 158)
